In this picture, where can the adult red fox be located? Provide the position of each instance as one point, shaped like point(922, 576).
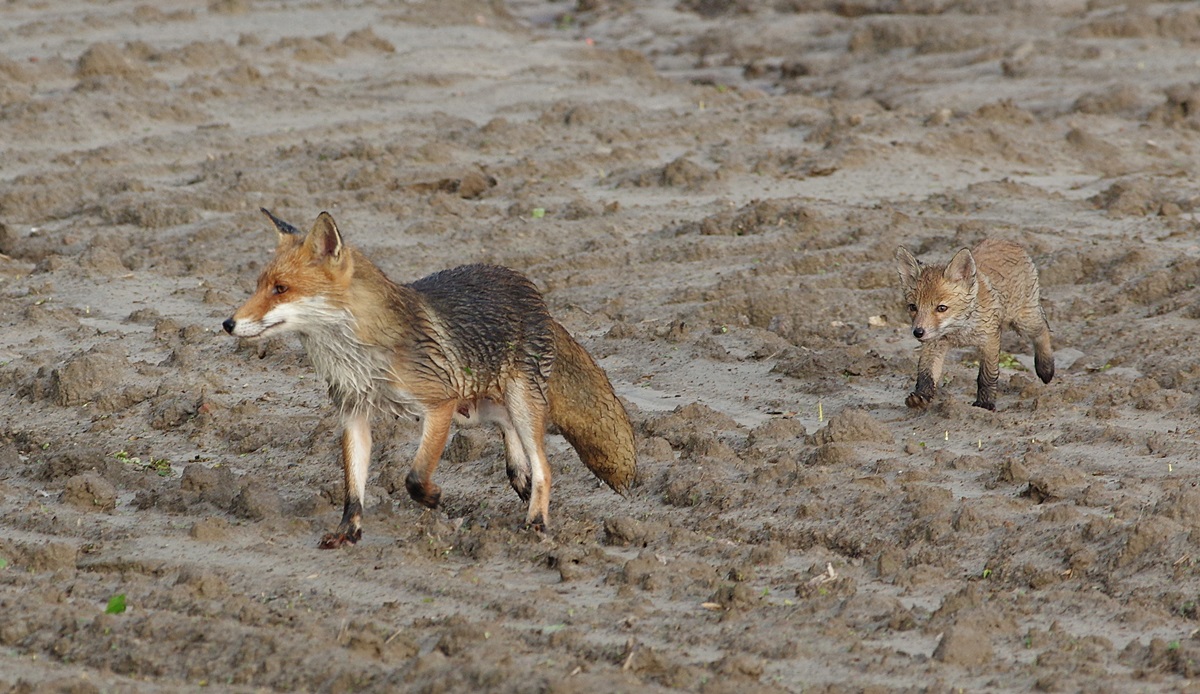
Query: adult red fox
point(965, 304)
point(472, 344)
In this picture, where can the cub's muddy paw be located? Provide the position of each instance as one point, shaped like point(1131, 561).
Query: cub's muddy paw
point(985, 405)
point(339, 539)
point(917, 401)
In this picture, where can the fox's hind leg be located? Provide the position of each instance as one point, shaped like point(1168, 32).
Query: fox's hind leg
point(435, 429)
point(527, 411)
point(356, 461)
point(1033, 326)
point(1043, 355)
point(516, 461)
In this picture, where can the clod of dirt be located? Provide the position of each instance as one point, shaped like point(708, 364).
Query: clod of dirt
point(218, 486)
point(87, 377)
point(1056, 483)
point(90, 492)
point(52, 556)
point(8, 240)
point(76, 460)
point(777, 432)
point(736, 596)
point(101, 377)
point(460, 635)
point(1120, 98)
point(853, 425)
point(106, 60)
point(204, 582)
point(467, 445)
point(364, 39)
point(1127, 198)
point(210, 530)
point(679, 425)
point(833, 454)
point(474, 184)
point(172, 412)
point(965, 645)
point(256, 502)
point(624, 531)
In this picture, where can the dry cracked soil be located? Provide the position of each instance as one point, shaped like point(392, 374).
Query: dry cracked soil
point(710, 194)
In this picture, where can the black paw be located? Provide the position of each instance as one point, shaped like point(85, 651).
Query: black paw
point(426, 494)
point(520, 483)
point(340, 538)
point(985, 405)
point(917, 401)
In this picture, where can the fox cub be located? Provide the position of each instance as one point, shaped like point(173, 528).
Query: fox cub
point(471, 344)
point(966, 303)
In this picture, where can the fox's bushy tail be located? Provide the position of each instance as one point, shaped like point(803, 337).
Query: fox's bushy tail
point(586, 410)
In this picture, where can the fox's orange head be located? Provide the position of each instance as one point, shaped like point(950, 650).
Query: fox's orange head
point(940, 299)
point(298, 289)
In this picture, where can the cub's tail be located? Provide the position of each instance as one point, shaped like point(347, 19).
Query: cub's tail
point(586, 410)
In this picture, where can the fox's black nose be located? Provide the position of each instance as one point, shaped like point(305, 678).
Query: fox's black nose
point(228, 325)
point(917, 332)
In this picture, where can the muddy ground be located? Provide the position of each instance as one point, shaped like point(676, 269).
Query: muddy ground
point(710, 193)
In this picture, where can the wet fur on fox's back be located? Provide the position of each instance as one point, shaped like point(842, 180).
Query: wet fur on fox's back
point(966, 303)
point(472, 343)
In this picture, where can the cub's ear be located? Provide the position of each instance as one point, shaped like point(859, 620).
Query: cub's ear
point(324, 240)
point(961, 267)
point(287, 232)
point(908, 267)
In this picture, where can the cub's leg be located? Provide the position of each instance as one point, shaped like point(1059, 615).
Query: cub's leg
point(989, 373)
point(929, 372)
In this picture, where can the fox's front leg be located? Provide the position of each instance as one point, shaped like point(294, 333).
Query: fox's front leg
point(929, 372)
point(356, 461)
point(435, 429)
point(989, 373)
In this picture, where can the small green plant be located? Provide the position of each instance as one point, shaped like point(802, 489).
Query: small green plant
point(1008, 361)
point(987, 573)
point(116, 604)
point(539, 212)
point(3, 563)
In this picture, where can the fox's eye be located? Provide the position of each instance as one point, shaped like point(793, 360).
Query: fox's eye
point(912, 308)
point(942, 308)
point(280, 288)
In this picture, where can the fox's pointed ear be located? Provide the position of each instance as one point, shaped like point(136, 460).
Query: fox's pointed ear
point(325, 241)
point(961, 267)
point(908, 267)
point(287, 232)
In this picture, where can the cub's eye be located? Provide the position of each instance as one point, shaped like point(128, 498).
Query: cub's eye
point(912, 308)
point(280, 288)
point(942, 308)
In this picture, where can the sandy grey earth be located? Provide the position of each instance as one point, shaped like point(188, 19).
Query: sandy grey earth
point(710, 194)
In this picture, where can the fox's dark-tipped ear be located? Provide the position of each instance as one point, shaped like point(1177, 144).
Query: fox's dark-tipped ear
point(908, 267)
point(961, 267)
point(283, 227)
point(325, 240)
